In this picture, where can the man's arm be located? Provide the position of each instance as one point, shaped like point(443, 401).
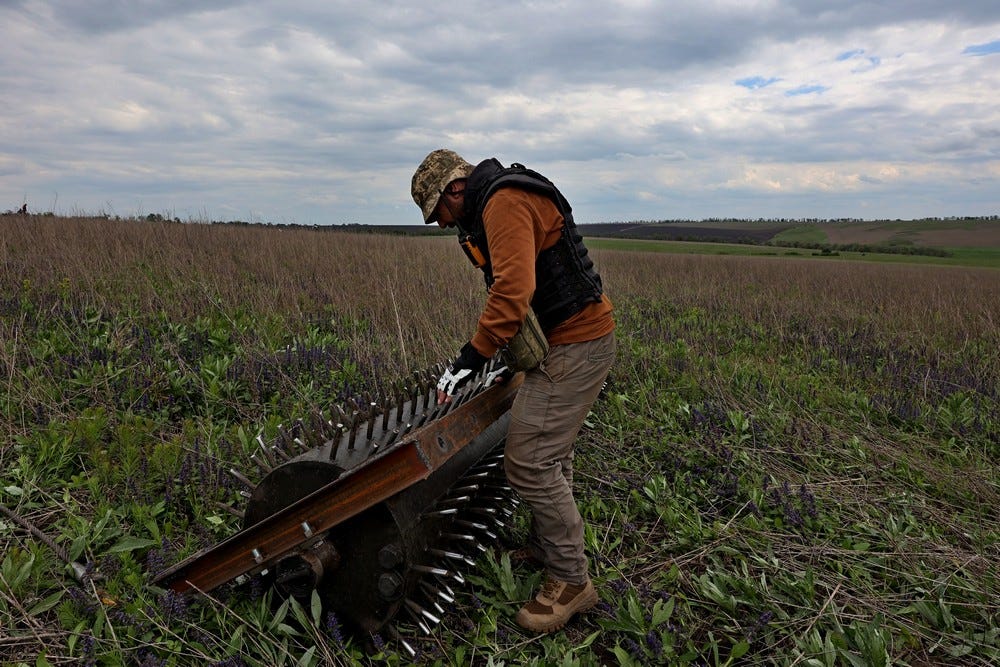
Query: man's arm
point(514, 232)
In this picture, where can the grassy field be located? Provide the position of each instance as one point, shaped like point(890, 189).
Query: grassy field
point(794, 463)
point(972, 256)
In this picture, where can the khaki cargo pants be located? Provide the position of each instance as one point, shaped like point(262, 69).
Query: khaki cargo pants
point(546, 416)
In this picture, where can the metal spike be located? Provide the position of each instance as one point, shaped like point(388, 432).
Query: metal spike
point(495, 499)
point(452, 555)
point(460, 537)
point(338, 414)
point(427, 569)
point(497, 484)
point(399, 405)
point(304, 434)
point(283, 437)
point(241, 478)
point(423, 627)
point(445, 512)
point(410, 651)
point(475, 525)
point(414, 394)
point(261, 464)
point(355, 425)
point(228, 508)
point(425, 390)
point(371, 423)
point(280, 453)
point(440, 572)
point(319, 426)
point(488, 512)
point(386, 411)
point(472, 488)
point(434, 603)
point(432, 590)
point(265, 450)
point(435, 411)
point(457, 500)
point(421, 611)
point(388, 438)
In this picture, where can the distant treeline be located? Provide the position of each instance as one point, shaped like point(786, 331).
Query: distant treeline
point(797, 221)
point(745, 231)
point(827, 248)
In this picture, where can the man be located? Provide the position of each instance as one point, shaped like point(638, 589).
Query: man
point(518, 228)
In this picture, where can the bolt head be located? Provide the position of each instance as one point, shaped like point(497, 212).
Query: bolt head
point(390, 586)
point(390, 556)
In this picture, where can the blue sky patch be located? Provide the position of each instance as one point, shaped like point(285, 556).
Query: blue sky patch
point(983, 49)
point(867, 64)
point(755, 82)
point(847, 55)
point(806, 90)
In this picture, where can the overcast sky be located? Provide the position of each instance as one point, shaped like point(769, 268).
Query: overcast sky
point(317, 112)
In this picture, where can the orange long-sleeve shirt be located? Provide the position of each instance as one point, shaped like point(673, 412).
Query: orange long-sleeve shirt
point(519, 225)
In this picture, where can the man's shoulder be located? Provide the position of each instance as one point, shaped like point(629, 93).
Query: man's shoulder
point(514, 195)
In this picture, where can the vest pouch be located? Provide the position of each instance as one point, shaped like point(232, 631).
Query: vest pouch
point(527, 348)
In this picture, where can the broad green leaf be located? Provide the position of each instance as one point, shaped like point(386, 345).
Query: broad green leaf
point(624, 659)
point(588, 641)
point(316, 607)
point(306, 658)
point(286, 629)
point(46, 604)
point(23, 572)
point(131, 544)
point(236, 641)
point(299, 612)
point(279, 616)
point(75, 635)
point(77, 547)
point(739, 650)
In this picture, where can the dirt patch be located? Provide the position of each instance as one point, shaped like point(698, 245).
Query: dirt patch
point(930, 234)
point(979, 237)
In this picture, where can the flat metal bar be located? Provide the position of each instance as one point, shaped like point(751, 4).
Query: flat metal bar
point(279, 534)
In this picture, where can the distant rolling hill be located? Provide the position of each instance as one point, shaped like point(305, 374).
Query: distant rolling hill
point(933, 233)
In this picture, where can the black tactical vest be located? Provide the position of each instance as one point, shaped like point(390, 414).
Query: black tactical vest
point(565, 278)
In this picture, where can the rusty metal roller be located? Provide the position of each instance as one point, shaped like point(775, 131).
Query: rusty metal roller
point(382, 518)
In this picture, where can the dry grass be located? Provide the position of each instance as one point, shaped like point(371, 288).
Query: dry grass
point(417, 294)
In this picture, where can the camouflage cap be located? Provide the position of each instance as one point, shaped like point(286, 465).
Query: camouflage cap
point(438, 169)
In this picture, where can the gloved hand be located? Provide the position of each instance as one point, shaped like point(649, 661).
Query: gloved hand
point(498, 375)
point(468, 363)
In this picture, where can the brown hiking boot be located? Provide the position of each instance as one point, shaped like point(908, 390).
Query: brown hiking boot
point(555, 604)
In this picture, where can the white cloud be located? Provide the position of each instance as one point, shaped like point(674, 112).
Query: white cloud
point(318, 112)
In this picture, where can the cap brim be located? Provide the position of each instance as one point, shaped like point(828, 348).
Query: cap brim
point(429, 211)
point(455, 174)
